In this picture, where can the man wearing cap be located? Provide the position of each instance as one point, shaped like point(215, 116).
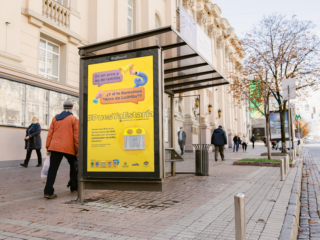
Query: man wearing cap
point(62, 141)
point(182, 139)
point(219, 139)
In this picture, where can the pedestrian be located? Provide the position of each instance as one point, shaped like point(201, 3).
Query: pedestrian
point(182, 136)
point(33, 142)
point(62, 141)
point(236, 141)
point(219, 139)
point(253, 139)
point(244, 143)
point(265, 141)
point(278, 143)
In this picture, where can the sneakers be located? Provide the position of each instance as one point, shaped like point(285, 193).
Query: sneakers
point(24, 165)
point(50, 196)
point(216, 160)
point(39, 165)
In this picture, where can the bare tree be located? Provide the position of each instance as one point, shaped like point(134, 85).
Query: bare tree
point(279, 48)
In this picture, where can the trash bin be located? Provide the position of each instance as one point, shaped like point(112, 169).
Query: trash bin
point(202, 169)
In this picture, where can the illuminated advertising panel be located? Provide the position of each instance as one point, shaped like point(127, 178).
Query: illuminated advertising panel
point(122, 132)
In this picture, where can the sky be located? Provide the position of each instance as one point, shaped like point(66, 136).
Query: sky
point(243, 14)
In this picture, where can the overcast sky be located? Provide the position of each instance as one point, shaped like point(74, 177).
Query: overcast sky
point(243, 14)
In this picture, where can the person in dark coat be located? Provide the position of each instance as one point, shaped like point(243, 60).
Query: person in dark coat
point(253, 139)
point(33, 141)
point(236, 142)
point(182, 136)
point(219, 139)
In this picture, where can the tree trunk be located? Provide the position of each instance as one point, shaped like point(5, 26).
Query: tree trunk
point(282, 111)
point(268, 133)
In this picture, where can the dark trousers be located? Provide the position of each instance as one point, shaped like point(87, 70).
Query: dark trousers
point(181, 144)
point(29, 155)
point(244, 146)
point(55, 160)
point(217, 150)
point(252, 144)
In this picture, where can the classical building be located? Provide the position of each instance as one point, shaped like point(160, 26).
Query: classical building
point(39, 62)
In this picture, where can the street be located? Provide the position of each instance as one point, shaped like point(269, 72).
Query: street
point(310, 194)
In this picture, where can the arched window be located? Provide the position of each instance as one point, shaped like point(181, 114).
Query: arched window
point(157, 25)
point(130, 16)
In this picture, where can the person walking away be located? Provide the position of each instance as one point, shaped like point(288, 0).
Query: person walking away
point(278, 143)
point(253, 139)
point(219, 139)
point(62, 141)
point(182, 139)
point(236, 141)
point(33, 142)
point(244, 143)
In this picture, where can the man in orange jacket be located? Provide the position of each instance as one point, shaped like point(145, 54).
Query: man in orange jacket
point(62, 141)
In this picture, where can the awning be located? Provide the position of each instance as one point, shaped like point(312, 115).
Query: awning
point(185, 69)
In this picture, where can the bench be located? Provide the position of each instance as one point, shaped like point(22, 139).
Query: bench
point(174, 157)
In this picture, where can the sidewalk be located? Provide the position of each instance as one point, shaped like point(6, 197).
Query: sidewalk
point(190, 207)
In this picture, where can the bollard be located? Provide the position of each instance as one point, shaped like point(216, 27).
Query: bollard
point(240, 217)
point(288, 165)
point(285, 170)
point(281, 170)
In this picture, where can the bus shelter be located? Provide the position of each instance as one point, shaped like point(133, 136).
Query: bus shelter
point(124, 137)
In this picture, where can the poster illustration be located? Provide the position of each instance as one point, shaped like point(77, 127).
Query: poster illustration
point(121, 116)
point(275, 125)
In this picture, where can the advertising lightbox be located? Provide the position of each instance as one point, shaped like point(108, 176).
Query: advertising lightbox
point(122, 132)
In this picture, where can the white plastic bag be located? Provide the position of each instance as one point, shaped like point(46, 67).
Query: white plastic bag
point(45, 168)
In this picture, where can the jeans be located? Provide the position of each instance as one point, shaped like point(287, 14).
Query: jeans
point(252, 144)
point(235, 146)
point(29, 155)
point(218, 149)
point(55, 160)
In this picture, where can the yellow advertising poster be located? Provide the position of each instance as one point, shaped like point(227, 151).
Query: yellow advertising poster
point(120, 135)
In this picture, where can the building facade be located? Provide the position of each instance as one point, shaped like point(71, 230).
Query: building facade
point(39, 62)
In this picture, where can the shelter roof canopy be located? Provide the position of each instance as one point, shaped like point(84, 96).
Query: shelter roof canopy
point(185, 69)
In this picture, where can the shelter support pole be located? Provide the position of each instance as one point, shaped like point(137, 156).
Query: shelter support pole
point(81, 192)
point(173, 164)
point(200, 135)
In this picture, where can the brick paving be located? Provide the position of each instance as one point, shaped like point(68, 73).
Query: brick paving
point(190, 207)
point(310, 193)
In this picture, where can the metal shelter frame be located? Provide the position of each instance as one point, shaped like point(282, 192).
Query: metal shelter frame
point(182, 69)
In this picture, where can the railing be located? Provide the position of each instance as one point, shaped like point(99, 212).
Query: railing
point(56, 12)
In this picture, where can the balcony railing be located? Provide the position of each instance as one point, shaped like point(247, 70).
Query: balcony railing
point(56, 12)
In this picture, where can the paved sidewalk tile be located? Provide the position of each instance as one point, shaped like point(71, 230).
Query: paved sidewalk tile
point(190, 207)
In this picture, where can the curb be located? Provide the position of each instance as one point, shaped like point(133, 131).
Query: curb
point(291, 221)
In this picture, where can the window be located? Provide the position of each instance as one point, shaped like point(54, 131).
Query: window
point(49, 60)
point(59, 1)
point(20, 102)
point(307, 107)
point(130, 16)
point(157, 25)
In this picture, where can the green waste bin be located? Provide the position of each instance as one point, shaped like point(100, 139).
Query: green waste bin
point(202, 165)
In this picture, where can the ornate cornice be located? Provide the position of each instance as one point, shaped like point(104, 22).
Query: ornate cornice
point(212, 30)
point(189, 3)
point(202, 17)
point(220, 42)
